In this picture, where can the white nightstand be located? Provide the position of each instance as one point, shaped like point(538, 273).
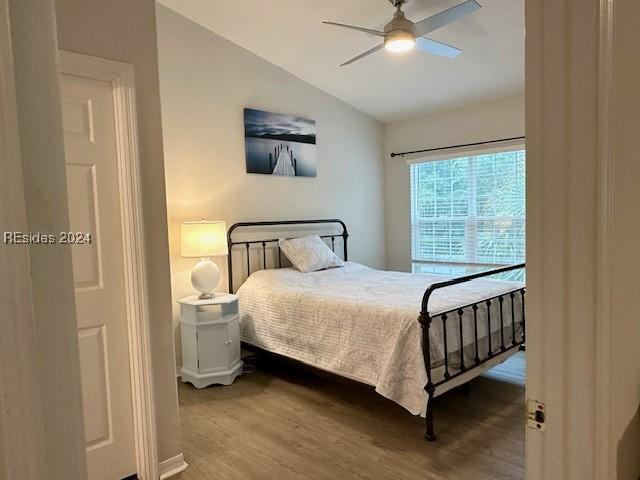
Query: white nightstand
point(210, 340)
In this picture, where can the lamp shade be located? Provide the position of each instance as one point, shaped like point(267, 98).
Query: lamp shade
point(204, 239)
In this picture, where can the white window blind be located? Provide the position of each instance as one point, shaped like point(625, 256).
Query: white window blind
point(469, 210)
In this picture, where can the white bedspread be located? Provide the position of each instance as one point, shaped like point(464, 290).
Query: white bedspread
point(362, 323)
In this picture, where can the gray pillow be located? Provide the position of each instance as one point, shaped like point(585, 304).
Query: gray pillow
point(309, 254)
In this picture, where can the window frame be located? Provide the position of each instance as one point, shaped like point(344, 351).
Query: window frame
point(450, 154)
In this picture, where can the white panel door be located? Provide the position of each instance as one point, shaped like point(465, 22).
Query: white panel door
point(94, 208)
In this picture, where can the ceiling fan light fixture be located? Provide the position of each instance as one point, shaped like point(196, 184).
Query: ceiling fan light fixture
point(399, 41)
point(401, 34)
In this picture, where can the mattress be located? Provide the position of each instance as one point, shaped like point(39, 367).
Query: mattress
point(362, 324)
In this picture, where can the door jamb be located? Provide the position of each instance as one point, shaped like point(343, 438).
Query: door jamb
point(551, 454)
point(121, 77)
point(604, 453)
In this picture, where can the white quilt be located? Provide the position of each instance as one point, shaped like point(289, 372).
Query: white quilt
point(362, 324)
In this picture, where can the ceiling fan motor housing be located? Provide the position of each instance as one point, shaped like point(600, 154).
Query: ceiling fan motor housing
point(400, 28)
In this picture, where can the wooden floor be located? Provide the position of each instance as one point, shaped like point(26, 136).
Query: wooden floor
point(282, 423)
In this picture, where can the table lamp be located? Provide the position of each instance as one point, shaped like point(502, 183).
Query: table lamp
point(203, 240)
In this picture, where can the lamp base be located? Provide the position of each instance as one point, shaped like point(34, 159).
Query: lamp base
point(205, 277)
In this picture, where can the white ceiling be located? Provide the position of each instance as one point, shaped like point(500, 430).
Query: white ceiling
point(289, 33)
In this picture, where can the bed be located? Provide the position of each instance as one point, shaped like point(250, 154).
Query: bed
point(412, 337)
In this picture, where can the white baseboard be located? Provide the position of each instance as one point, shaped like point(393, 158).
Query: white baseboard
point(172, 466)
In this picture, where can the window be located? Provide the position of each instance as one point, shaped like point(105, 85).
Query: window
point(468, 212)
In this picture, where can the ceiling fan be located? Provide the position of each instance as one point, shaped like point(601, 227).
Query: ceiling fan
point(401, 34)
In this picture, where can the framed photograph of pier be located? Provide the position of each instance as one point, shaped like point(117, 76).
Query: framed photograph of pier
point(277, 144)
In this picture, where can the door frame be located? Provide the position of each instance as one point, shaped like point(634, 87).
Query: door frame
point(121, 77)
point(605, 454)
point(569, 102)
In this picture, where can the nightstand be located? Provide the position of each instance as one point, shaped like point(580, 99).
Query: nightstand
point(210, 340)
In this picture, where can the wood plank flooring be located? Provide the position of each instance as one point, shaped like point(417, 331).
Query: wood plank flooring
point(280, 422)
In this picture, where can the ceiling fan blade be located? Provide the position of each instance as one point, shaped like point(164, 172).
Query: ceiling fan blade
point(437, 48)
point(359, 29)
point(362, 55)
point(443, 18)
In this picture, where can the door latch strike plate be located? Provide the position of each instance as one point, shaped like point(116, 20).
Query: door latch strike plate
point(536, 415)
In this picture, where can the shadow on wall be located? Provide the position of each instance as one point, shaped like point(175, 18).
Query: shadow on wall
point(629, 451)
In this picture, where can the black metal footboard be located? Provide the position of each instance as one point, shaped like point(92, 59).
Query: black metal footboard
point(482, 353)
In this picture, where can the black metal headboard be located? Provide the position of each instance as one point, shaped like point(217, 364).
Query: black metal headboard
point(263, 243)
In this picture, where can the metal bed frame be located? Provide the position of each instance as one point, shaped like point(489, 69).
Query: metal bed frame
point(453, 375)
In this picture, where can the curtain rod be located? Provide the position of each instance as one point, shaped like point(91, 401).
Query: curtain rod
point(425, 150)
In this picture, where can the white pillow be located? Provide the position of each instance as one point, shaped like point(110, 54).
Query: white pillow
point(309, 254)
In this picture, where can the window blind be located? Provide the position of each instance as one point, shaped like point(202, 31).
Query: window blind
point(469, 210)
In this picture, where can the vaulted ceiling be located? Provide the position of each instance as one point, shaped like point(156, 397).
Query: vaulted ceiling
point(289, 33)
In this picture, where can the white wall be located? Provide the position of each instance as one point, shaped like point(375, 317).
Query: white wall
point(41, 424)
point(205, 82)
point(485, 121)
